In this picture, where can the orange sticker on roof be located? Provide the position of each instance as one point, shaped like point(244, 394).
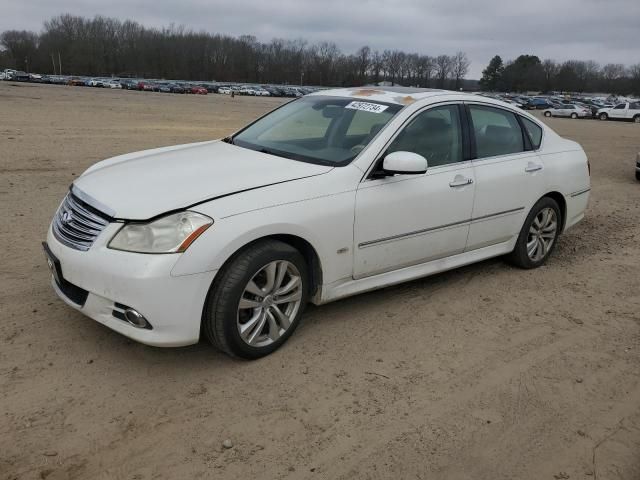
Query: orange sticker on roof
point(367, 92)
point(408, 100)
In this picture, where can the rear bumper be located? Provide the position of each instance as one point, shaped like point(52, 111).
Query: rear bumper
point(172, 305)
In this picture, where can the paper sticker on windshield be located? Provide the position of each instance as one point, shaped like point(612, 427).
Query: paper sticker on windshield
point(367, 107)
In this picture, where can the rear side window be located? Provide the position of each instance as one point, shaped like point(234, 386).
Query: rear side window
point(534, 132)
point(497, 132)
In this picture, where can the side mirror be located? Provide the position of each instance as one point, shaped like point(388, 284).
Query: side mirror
point(404, 163)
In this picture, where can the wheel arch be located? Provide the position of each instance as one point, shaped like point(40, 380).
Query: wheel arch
point(562, 203)
point(305, 247)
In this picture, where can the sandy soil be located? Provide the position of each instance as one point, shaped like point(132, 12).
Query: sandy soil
point(487, 372)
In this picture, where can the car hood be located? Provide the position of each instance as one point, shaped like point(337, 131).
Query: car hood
point(141, 185)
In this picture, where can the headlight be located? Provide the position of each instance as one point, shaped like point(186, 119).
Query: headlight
point(171, 234)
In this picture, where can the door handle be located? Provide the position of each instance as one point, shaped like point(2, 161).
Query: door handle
point(533, 167)
point(460, 181)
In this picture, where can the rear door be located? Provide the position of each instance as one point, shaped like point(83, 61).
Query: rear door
point(633, 110)
point(509, 174)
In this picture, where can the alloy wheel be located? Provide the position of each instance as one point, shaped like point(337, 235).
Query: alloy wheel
point(542, 234)
point(269, 303)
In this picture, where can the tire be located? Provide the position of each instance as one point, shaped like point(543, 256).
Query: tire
point(636, 119)
point(520, 256)
point(265, 329)
point(574, 115)
point(547, 114)
point(638, 176)
point(603, 116)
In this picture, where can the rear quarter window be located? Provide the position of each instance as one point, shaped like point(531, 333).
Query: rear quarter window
point(534, 131)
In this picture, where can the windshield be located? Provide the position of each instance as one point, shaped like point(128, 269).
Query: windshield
point(318, 129)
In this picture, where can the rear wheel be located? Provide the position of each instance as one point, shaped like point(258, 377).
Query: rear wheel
point(574, 115)
point(636, 119)
point(547, 114)
point(539, 234)
point(257, 300)
point(603, 116)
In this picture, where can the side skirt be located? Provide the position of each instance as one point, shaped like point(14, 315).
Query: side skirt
point(347, 287)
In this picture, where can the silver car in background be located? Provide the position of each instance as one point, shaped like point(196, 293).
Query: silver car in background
point(570, 111)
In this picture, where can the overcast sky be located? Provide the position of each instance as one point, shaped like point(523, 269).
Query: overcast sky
point(606, 31)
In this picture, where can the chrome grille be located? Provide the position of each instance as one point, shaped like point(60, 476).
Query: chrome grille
point(77, 225)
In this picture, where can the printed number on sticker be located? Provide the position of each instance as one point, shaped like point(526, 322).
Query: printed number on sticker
point(367, 107)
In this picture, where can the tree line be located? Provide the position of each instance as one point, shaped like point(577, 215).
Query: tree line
point(529, 73)
point(103, 46)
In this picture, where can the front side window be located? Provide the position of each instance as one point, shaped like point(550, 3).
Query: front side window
point(435, 134)
point(318, 129)
point(620, 107)
point(497, 131)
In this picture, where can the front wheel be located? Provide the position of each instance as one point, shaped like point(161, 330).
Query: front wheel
point(256, 301)
point(538, 236)
point(604, 116)
point(636, 119)
point(574, 115)
point(547, 114)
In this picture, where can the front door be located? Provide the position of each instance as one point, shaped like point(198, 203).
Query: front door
point(405, 220)
point(619, 111)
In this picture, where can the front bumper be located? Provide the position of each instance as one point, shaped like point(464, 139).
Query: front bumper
point(172, 304)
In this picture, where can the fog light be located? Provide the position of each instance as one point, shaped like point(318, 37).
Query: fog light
point(135, 318)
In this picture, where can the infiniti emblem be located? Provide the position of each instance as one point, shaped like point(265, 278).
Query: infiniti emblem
point(66, 217)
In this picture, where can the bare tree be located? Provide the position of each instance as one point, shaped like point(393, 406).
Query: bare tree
point(443, 66)
point(393, 63)
point(21, 45)
point(363, 58)
point(460, 67)
point(377, 66)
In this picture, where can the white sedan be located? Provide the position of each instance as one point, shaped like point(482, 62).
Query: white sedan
point(571, 111)
point(333, 194)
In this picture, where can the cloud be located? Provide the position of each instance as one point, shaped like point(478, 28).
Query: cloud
point(600, 30)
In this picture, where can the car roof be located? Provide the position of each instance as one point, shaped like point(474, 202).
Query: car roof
point(406, 96)
point(397, 95)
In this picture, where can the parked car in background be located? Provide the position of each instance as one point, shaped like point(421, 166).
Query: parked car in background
point(571, 111)
point(129, 84)
point(623, 111)
point(77, 82)
point(224, 90)
point(232, 238)
point(95, 82)
point(113, 84)
point(538, 104)
point(19, 76)
point(198, 90)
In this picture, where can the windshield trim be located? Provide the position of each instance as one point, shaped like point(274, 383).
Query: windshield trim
point(299, 157)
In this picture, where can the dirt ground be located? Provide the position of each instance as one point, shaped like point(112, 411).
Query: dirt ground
point(487, 372)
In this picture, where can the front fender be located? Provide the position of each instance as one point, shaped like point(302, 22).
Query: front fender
point(326, 223)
